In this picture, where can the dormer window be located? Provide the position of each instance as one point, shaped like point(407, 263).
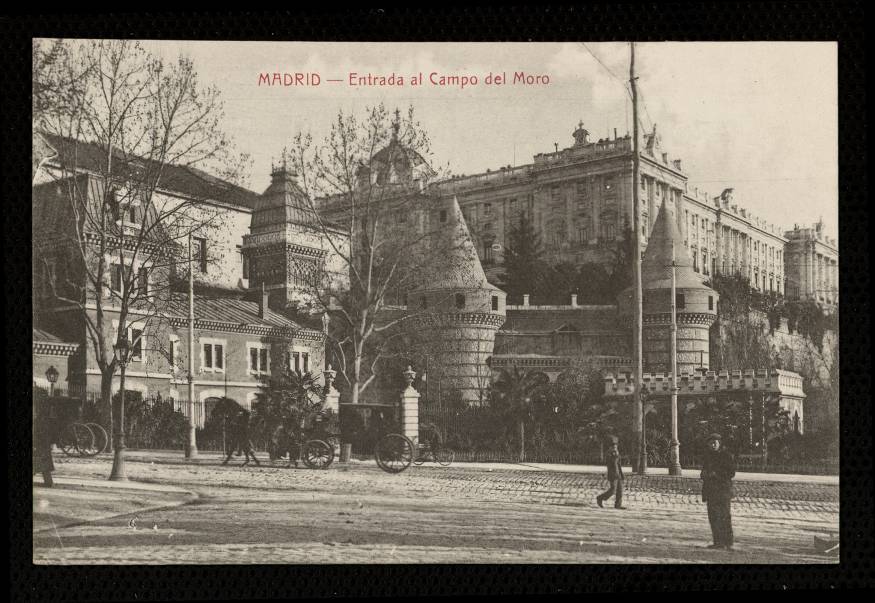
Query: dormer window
point(443, 216)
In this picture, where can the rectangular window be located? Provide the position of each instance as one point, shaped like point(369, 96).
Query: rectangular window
point(143, 280)
point(555, 193)
point(679, 301)
point(213, 355)
point(495, 303)
point(305, 361)
point(200, 253)
point(295, 362)
point(487, 209)
point(258, 359)
point(710, 302)
point(136, 340)
point(114, 206)
point(443, 215)
point(132, 214)
point(174, 357)
point(115, 277)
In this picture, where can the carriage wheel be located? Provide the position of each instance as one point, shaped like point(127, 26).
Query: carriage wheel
point(394, 453)
point(444, 456)
point(317, 454)
point(76, 439)
point(101, 439)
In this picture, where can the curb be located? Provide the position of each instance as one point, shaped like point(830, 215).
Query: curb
point(189, 498)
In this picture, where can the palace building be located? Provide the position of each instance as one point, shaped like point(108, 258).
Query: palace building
point(255, 273)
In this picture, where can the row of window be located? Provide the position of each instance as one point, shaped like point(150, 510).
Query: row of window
point(459, 302)
point(213, 357)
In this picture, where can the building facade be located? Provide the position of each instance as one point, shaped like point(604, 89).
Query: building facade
point(812, 265)
point(580, 200)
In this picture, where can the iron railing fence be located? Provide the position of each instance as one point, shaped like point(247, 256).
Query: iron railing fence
point(475, 433)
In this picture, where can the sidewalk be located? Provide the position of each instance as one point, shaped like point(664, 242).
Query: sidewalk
point(214, 458)
point(75, 500)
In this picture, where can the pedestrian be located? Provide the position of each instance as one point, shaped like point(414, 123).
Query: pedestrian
point(718, 469)
point(240, 439)
point(43, 438)
point(244, 439)
point(615, 477)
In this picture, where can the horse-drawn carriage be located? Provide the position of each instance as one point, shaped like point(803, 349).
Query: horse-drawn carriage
point(62, 419)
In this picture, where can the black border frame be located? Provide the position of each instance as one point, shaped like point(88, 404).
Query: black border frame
point(644, 21)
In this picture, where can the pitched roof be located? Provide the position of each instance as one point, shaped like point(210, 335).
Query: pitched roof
point(656, 265)
point(46, 337)
point(185, 180)
point(229, 310)
point(455, 264)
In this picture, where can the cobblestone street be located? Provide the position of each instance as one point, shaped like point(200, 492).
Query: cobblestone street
point(357, 513)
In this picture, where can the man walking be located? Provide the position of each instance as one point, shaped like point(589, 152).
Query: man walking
point(718, 469)
point(240, 441)
point(615, 477)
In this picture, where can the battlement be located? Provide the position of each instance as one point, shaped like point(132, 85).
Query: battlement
point(553, 307)
point(786, 383)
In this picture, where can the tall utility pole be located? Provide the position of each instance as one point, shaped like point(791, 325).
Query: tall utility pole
point(674, 464)
point(191, 445)
point(637, 410)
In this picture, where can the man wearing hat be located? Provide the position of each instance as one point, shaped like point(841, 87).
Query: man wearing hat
point(615, 476)
point(718, 469)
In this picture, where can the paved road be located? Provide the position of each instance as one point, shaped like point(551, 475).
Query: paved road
point(436, 515)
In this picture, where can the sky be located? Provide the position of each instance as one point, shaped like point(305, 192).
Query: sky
point(758, 117)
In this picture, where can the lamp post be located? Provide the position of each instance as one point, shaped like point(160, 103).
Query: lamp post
point(51, 377)
point(674, 465)
point(121, 350)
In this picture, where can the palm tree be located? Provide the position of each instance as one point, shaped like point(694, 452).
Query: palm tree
point(516, 388)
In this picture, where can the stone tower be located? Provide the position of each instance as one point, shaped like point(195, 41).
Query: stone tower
point(284, 248)
point(696, 303)
point(456, 310)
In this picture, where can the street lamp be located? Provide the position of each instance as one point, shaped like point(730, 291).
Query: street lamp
point(52, 377)
point(121, 350)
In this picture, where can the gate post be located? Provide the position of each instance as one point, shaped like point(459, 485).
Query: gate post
point(410, 407)
point(332, 396)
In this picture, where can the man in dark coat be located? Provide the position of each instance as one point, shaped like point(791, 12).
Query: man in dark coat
point(718, 469)
point(241, 439)
point(44, 432)
point(615, 477)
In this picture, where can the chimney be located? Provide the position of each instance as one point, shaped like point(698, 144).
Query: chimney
point(665, 157)
point(262, 302)
point(615, 133)
point(574, 300)
point(525, 299)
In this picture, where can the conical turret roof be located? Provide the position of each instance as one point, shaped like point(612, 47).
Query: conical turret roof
point(453, 261)
point(283, 202)
point(656, 265)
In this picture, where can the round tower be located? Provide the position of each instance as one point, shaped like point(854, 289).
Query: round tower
point(456, 310)
point(696, 302)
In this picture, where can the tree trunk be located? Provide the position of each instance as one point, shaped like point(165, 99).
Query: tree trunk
point(106, 401)
point(522, 426)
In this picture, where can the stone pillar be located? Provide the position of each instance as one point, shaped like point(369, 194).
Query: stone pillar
point(410, 407)
point(332, 396)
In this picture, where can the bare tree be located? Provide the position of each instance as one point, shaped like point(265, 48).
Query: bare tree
point(365, 184)
point(127, 127)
